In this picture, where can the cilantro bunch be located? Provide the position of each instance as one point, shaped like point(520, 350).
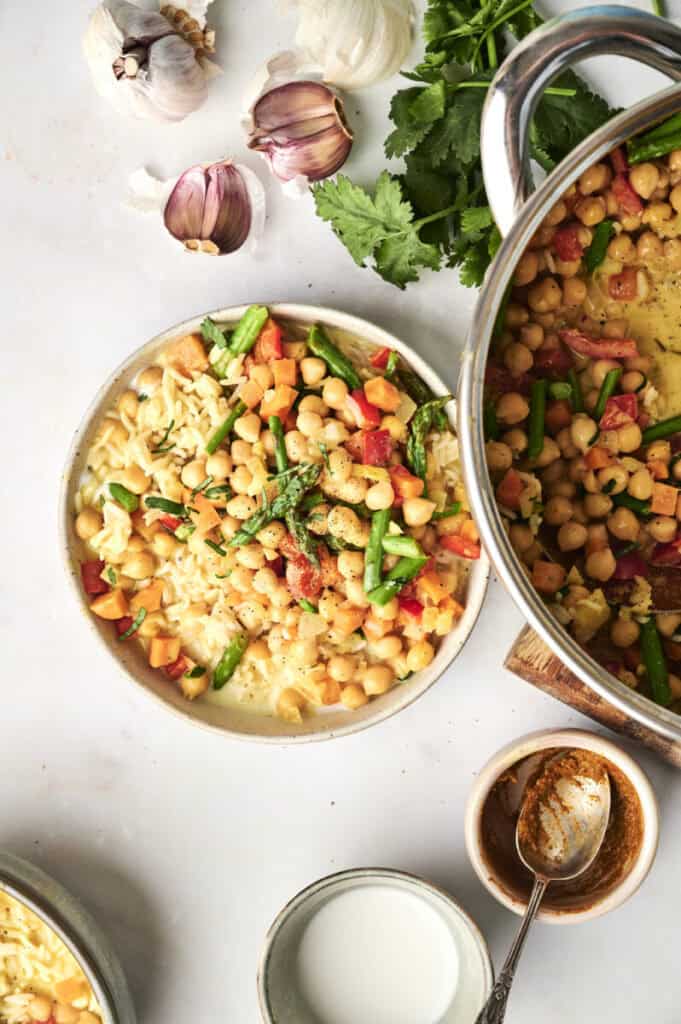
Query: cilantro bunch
point(436, 213)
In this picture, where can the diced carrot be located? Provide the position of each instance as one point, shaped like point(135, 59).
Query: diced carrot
point(598, 457)
point(348, 619)
point(251, 393)
point(663, 502)
point(658, 469)
point(511, 486)
point(206, 517)
point(148, 598)
point(547, 577)
point(285, 371)
point(269, 343)
point(163, 650)
point(382, 393)
point(404, 483)
point(432, 586)
point(111, 606)
point(187, 355)
point(278, 401)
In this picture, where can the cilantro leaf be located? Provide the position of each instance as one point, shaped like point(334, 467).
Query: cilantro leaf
point(352, 214)
point(408, 133)
point(476, 219)
point(561, 122)
point(398, 259)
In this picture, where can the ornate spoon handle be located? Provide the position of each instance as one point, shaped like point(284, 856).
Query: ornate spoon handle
point(494, 1010)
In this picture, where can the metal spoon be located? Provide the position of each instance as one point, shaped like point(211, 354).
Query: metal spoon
point(574, 814)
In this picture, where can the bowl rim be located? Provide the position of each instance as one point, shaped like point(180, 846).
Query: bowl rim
point(302, 313)
point(403, 879)
point(582, 739)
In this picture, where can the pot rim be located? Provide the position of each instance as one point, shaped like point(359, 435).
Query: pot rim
point(470, 425)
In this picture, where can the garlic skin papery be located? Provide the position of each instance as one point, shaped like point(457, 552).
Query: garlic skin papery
point(150, 65)
point(355, 42)
point(300, 128)
point(211, 208)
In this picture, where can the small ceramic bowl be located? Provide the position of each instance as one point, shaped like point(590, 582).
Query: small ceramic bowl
point(82, 936)
point(281, 992)
point(517, 751)
point(231, 720)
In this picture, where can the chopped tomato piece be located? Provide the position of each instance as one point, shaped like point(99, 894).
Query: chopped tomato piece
point(90, 574)
point(411, 606)
point(509, 490)
point(205, 518)
point(619, 411)
point(269, 344)
point(664, 499)
point(355, 446)
point(405, 484)
point(366, 414)
point(288, 547)
point(499, 381)
point(170, 522)
point(619, 161)
point(123, 625)
point(629, 566)
point(628, 200)
point(304, 580)
point(598, 457)
point(622, 287)
point(380, 358)
point(553, 361)
point(667, 554)
point(547, 577)
point(460, 546)
point(377, 447)
point(598, 348)
point(567, 244)
point(177, 668)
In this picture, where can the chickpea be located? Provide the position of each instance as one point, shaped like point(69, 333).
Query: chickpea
point(417, 511)
point(615, 478)
point(516, 315)
point(564, 442)
point(309, 424)
point(281, 597)
point(40, 1008)
point(545, 296)
point(395, 427)
point(128, 404)
point(247, 427)
point(597, 506)
point(600, 370)
point(567, 268)
point(615, 328)
point(656, 214)
point(532, 336)
point(549, 453)
point(644, 179)
point(265, 580)
point(387, 647)
point(649, 246)
point(64, 1014)
point(88, 1018)
point(674, 160)
point(526, 269)
point(380, 496)
point(271, 535)
point(242, 506)
point(386, 612)
point(241, 480)
point(356, 594)
point(521, 536)
point(594, 179)
point(296, 446)
point(641, 363)
point(659, 451)
point(420, 656)
point(629, 437)
point(377, 679)
point(574, 291)
point(672, 253)
point(668, 623)
point(571, 536)
point(313, 370)
point(583, 432)
point(350, 564)
point(517, 358)
point(624, 524)
point(340, 465)
point(88, 523)
point(155, 624)
point(640, 485)
point(313, 403)
point(632, 381)
point(353, 697)
point(149, 380)
point(344, 523)
point(557, 511)
point(228, 526)
point(341, 668)
point(241, 452)
point(512, 408)
point(136, 543)
point(622, 248)
point(164, 544)
point(219, 465)
point(139, 565)
point(499, 456)
point(335, 393)
point(335, 433)
point(600, 565)
point(354, 490)
point(662, 529)
point(562, 489)
point(251, 556)
point(193, 473)
point(591, 210)
point(624, 632)
point(630, 222)
point(516, 441)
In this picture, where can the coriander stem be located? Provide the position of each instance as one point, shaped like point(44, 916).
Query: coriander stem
point(658, 8)
point(551, 91)
point(418, 224)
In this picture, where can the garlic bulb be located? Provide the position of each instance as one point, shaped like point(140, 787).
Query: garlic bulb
point(148, 64)
point(211, 208)
point(355, 42)
point(301, 129)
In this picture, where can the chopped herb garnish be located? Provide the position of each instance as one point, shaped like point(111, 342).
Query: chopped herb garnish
point(449, 510)
point(143, 398)
point(219, 491)
point(160, 449)
point(202, 486)
point(608, 486)
point(195, 673)
point(325, 452)
point(124, 497)
point(139, 619)
point(173, 508)
point(307, 606)
point(111, 575)
point(215, 547)
point(184, 532)
point(211, 332)
point(595, 254)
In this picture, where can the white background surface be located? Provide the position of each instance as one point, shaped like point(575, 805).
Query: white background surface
point(185, 845)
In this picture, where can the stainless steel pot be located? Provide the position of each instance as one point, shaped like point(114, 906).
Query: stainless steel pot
point(512, 97)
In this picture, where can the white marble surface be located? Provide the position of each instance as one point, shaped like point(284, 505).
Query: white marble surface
point(186, 845)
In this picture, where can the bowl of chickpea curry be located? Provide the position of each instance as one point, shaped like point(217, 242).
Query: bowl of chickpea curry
point(265, 518)
point(571, 407)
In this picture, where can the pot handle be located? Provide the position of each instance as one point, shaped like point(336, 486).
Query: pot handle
point(534, 63)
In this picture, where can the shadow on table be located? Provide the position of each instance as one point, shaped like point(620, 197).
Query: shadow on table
point(119, 905)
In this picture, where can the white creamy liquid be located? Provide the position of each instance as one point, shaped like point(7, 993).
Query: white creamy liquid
point(377, 955)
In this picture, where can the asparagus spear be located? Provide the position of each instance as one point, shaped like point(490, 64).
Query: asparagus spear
point(405, 570)
point(373, 559)
point(231, 656)
point(225, 429)
point(653, 658)
point(307, 545)
point(421, 423)
point(291, 494)
point(321, 345)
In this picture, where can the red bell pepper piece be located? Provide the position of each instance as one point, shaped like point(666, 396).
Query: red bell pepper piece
point(598, 348)
point(460, 546)
point(509, 490)
point(629, 566)
point(365, 412)
point(667, 554)
point(90, 573)
point(629, 201)
point(269, 344)
point(411, 606)
point(567, 244)
point(177, 668)
point(377, 447)
point(170, 522)
point(380, 359)
point(622, 287)
point(123, 625)
point(619, 160)
point(619, 411)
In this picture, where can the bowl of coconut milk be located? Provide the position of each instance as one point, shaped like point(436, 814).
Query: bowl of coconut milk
point(375, 945)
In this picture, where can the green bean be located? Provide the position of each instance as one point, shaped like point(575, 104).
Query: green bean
point(596, 253)
point(217, 548)
point(134, 626)
point(291, 494)
point(231, 656)
point(450, 510)
point(124, 497)
point(653, 658)
point(405, 547)
point(280, 454)
point(657, 142)
point(220, 491)
point(172, 508)
point(248, 329)
point(420, 393)
point(607, 390)
point(405, 570)
point(665, 428)
point(577, 399)
point(490, 424)
point(321, 345)
point(373, 559)
point(225, 429)
point(535, 441)
point(641, 508)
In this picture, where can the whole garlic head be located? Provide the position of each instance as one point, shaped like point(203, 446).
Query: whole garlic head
point(146, 64)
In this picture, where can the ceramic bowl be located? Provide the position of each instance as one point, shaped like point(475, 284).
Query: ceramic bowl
point(531, 744)
point(230, 721)
point(280, 993)
point(82, 936)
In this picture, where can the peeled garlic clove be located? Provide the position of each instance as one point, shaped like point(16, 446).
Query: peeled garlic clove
point(215, 209)
point(302, 130)
point(147, 64)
